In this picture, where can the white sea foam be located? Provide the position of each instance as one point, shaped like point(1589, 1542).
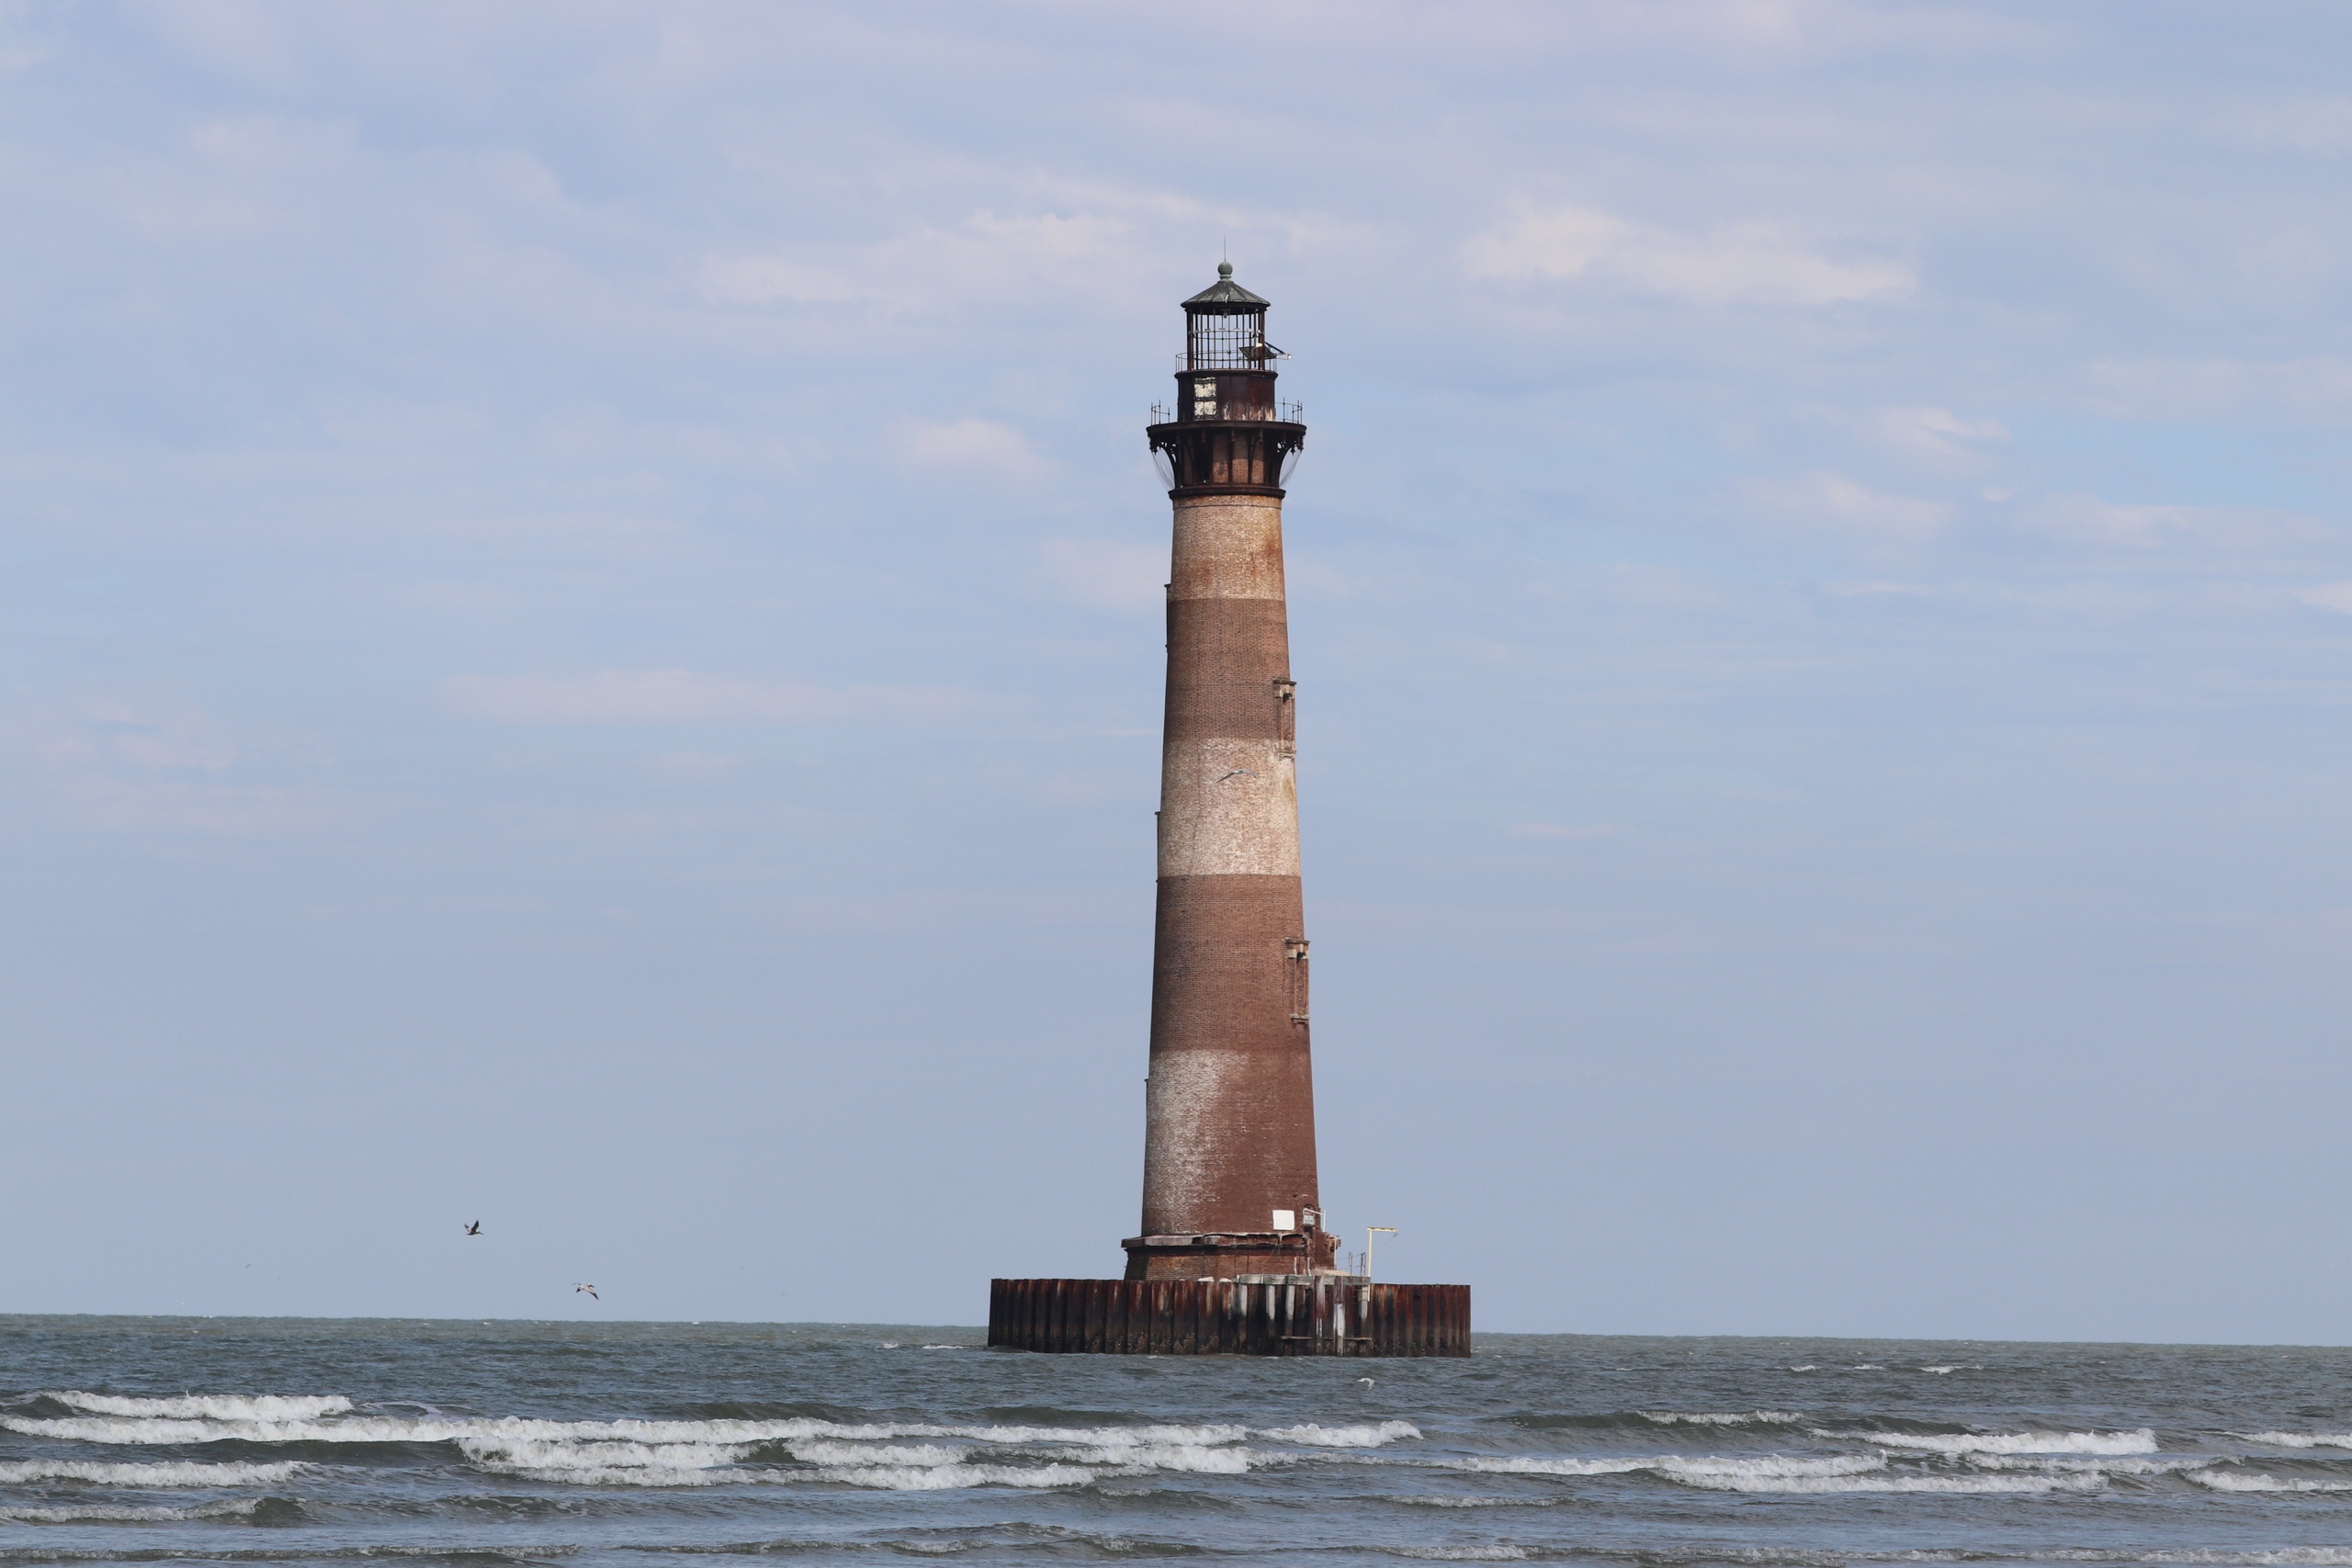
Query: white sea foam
point(106, 1514)
point(1533, 1466)
point(1194, 1458)
point(430, 1429)
point(2281, 1557)
point(2300, 1439)
point(945, 1477)
point(2255, 1481)
point(1768, 1466)
point(1462, 1553)
point(19, 1472)
point(1744, 1418)
point(538, 1453)
point(442, 1430)
point(2142, 1441)
point(2110, 1465)
point(212, 1406)
point(1789, 1473)
point(1313, 1436)
point(645, 1475)
point(922, 1455)
point(1675, 1466)
point(1964, 1484)
point(2285, 1557)
point(708, 1452)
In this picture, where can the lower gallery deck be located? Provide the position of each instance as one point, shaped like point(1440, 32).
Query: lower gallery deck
point(1264, 1314)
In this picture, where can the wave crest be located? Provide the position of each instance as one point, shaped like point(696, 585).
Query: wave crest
point(99, 1513)
point(2300, 1439)
point(103, 1474)
point(2142, 1441)
point(2255, 1481)
point(210, 1406)
point(1313, 1436)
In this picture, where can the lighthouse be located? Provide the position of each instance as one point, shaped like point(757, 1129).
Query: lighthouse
point(1229, 1175)
point(1233, 1254)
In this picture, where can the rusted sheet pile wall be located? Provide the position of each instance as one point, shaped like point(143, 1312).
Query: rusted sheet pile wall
point(1301, 1314)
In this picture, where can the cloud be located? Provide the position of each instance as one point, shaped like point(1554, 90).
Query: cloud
point(2315, 389)
point(1831, 500)
point(977, 443)
point(1110, 574)
point(1937, 436)
point(1745, 264)
point(137, 738)
point(2336, 596)
point(686, 696)
point(2090, 519)
point(988, 257)
point(769, 281)
point(148, 767)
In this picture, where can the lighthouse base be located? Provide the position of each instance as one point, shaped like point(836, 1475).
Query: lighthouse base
point(1259, 1314)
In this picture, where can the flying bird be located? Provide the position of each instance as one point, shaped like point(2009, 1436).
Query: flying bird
point(474, 1229)
point(1366, 1381)
point(1237, 774)
point(590, 1289)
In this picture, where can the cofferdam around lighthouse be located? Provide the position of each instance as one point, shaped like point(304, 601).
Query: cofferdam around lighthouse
point(1233, 1253)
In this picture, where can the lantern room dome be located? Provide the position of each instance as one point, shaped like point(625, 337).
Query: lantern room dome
point(1225, 297)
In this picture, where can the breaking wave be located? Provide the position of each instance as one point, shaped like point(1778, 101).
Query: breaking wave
point(902, 1456)
point(1961, 1484)
point(97, 1513)
point(1535, 1466)
point(1675, 1467)
point(1312, 1435)
point(2255, 1481)
point(2142, 1441)
point(2113, 1465)
point(2300, 1439)
point(210, 1407)
point(19, 1472)
point(1744, 1418)
point(1794, 1473)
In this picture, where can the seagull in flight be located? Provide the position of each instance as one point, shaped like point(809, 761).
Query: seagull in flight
point(590, 1289)
point(1238, 773)
point(1366, 1381)
point(474, 1229)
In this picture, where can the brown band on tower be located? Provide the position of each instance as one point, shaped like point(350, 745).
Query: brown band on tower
point(1228, 665)
point(1223, 976)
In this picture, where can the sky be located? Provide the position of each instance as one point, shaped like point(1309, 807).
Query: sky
point(580, 648)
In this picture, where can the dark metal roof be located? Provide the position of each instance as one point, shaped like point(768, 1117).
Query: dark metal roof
point(1225, 297)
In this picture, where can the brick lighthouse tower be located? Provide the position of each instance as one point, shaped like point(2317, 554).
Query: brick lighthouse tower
point(1229, 1182)
point(1233, 1255)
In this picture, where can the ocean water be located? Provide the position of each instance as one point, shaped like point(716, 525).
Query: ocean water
point(288, 1440)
